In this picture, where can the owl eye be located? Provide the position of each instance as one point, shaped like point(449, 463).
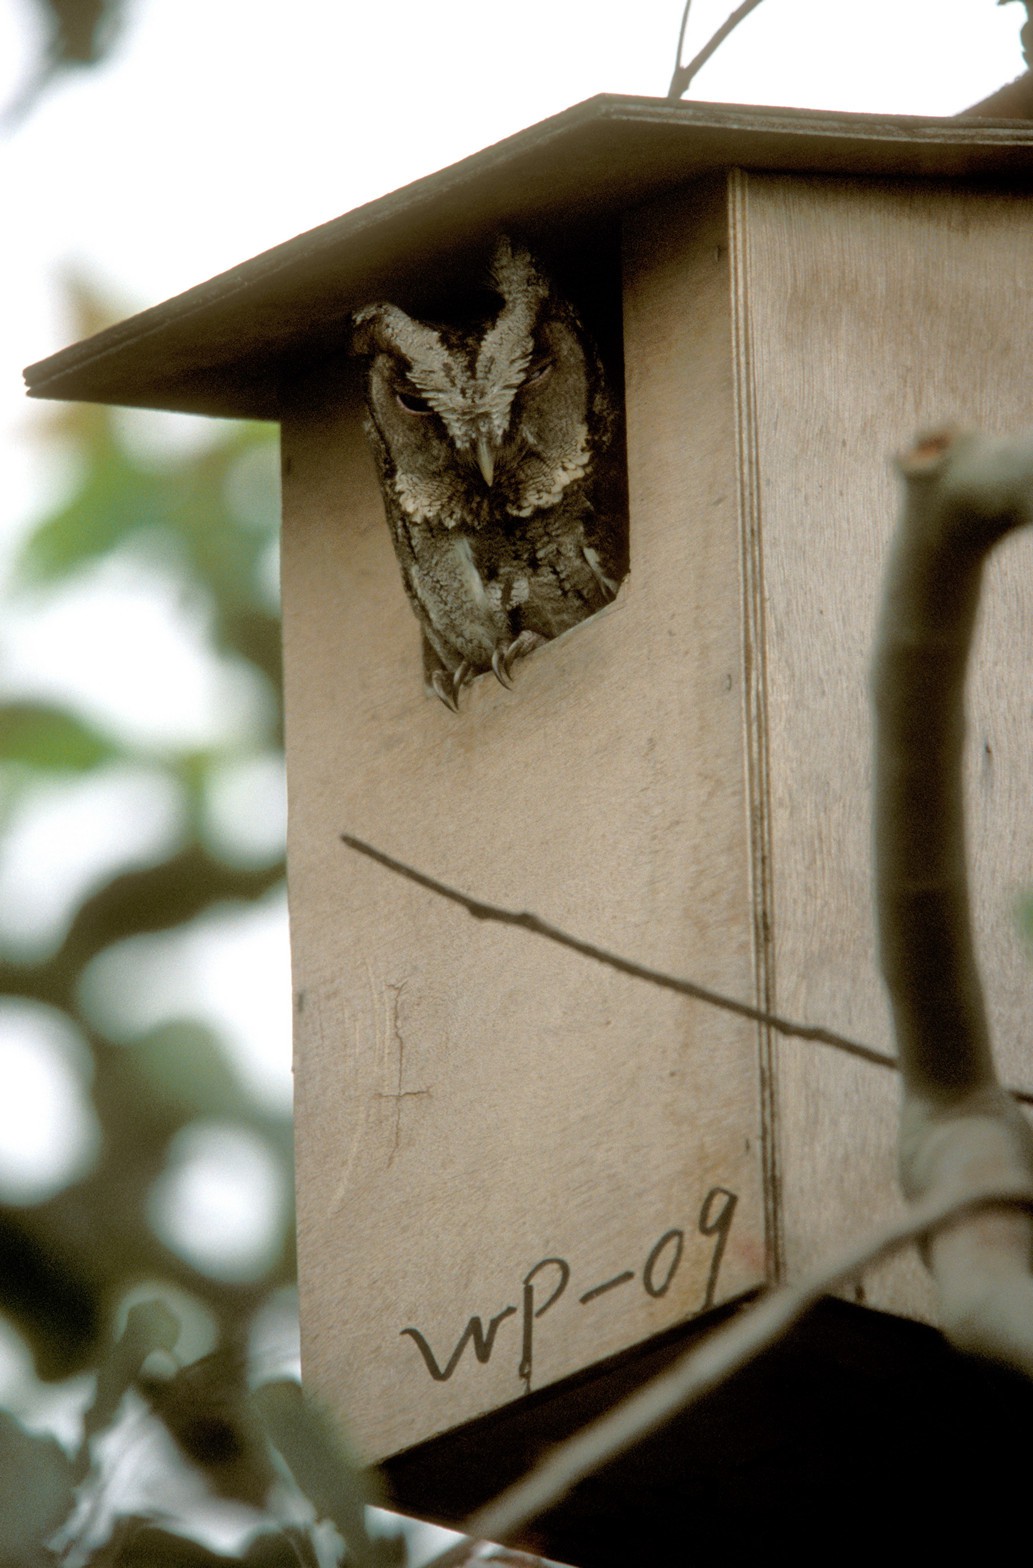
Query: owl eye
point(413, 404)
point(538, 372)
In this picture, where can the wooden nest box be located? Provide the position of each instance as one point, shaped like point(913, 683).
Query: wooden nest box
point(514, 1163)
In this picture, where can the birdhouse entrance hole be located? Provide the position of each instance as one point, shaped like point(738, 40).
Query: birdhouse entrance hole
point(494, 414)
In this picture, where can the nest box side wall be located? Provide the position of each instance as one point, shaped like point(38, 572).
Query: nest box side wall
point(875, 310)
point(511, 1162)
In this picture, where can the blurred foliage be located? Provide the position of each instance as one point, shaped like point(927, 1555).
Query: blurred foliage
point(76, 33)
point(71, 1263)
point(1026, 35)
point(80, 32)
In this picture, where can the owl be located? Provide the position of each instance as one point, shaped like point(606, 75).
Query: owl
point(502, 471)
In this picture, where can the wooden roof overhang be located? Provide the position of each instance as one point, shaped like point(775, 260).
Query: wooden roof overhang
point(222, 347)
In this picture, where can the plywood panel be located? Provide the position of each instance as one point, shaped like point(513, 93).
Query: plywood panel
point(875, 310)
point(483, 1118)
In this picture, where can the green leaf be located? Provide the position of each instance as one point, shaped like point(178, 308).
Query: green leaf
point(150, 1325)
point(208, 1412)
point(137, 1543)
point(290, 1547)
point(184, 1063)
point(115, 501)
point(321, 1464)
point(51, 739)
point(36, 1492)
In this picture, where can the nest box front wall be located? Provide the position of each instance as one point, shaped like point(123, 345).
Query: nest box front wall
point(513, 1162)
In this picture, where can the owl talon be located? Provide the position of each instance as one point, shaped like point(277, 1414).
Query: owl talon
point(443, 688)
point(461, 676)
point(520, 647)
point(498, 664)
point(607, 586)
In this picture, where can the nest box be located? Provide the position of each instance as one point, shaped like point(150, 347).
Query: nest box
point(514, 1163)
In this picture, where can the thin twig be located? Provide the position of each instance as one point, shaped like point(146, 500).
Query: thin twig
point(702, 1368)
point(627, 966)
point(683, 74)
point(527, 921)
point(677, 53)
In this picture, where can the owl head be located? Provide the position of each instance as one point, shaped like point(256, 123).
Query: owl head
point(513, 405)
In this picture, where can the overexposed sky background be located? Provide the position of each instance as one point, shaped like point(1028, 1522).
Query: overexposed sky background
point(216, 129)
point(220, 127)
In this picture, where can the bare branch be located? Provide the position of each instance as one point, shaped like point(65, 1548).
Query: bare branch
point(683, 74)
point(929, 608)
point(527, 921)
point(963, 493)
point(709, 1363)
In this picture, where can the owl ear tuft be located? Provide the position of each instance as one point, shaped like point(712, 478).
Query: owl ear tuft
point(366, 337)
point(513, 270)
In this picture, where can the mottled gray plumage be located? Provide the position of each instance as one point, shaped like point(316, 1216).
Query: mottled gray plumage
point(501, 471)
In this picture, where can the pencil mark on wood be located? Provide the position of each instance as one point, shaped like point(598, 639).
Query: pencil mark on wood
point(533, 1311)
point(474, 1333)
point(609, 1284)
point(658, 1285)
point(545, 1284)
point(400, 1092)
point(717, 1225)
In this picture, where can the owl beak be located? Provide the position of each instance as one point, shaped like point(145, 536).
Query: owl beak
point(485, 459)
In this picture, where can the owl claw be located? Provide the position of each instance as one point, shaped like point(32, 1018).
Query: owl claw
point(519, 648)
point(607, 586)
point(498, 664)
point(461, 677)
point(444, 689)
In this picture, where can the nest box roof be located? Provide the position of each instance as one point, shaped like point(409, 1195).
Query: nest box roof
point(222, 347)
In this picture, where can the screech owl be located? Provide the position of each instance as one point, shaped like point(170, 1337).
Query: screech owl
point(501, 469)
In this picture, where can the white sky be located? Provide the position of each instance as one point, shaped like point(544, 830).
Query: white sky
point(221, 127)
point(217, 129)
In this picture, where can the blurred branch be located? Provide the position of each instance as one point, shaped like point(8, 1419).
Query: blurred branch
point(157, 898)
point(716, 1358)
point(683, 74)
point(1026, 35)
point(1014, 101)
point(80, 32)
point(962, 494)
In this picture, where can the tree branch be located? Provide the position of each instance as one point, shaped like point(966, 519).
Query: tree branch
point(683, 74)
point(525, 920)
point(963, 493)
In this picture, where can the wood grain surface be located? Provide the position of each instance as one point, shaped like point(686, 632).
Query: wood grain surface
point(489, 1128)
point(477, 1110)
point(875, 310)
